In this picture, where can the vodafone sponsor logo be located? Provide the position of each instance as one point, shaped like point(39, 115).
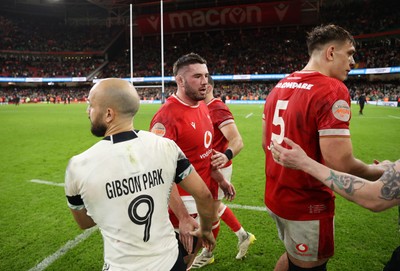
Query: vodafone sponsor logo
point(302, 249)
point(207, 139)
point(207, 144)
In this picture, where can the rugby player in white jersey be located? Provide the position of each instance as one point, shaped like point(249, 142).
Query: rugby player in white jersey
point(123, 184)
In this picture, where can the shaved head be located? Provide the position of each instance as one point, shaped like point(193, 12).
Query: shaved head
point(118, 94)
point(112, 105)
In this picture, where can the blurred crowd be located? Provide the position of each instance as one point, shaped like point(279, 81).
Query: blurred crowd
point(46, 47)
point(48, 34)
point(252, 91)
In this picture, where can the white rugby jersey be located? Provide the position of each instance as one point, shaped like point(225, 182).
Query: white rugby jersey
point(124, 182)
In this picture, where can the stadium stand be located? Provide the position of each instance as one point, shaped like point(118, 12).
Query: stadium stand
point(38, 46)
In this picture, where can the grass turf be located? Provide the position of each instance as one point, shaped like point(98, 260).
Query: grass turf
point(38, 140)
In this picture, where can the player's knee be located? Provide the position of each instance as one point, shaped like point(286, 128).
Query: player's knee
point(293, 267)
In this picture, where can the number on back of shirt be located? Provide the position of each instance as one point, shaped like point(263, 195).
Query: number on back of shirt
point(140, 212)
point(278, 121)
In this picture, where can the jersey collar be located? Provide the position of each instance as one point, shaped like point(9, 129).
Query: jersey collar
point(121, 137)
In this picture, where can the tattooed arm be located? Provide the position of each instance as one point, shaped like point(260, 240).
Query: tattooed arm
point(375, 196)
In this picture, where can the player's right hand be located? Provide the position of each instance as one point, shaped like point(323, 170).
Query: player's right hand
point(206, 237)
point(186, 227)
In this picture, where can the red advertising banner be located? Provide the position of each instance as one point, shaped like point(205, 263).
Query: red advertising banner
point(66, 53)
point(251, 15)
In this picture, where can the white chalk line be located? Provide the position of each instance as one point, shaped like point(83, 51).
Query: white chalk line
point(83, 236)
point(63, 250)
point(47, 182)
point(249, 115)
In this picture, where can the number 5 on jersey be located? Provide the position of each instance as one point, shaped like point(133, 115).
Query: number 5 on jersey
point(278, 121)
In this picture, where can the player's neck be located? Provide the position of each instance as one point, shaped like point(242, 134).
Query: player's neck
point(208, 98)
point(310, 68)
point(185, 99)
point(119, 128)
point(315, 65)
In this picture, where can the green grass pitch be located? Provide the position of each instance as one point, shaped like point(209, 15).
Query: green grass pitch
point(38, 230)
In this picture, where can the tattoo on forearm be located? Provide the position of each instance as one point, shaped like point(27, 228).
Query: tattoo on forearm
point(391, 183)
point(344, 182)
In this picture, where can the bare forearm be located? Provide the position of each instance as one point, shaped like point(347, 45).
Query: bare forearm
point(82, 219)
point(236, 145)
point(342, 183)
point(359, 168)
point(235, 141)
point(376, 196)
point(207, 212)
point(176, 204)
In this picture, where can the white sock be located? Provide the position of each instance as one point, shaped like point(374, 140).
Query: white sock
point(206, 252)
point(241, 234)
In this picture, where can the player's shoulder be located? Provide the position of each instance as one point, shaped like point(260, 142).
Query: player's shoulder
point(327, 81)
point(155, 141)
point(217, 103)
point(88, 155)
point(168, 108)
point(154, 138)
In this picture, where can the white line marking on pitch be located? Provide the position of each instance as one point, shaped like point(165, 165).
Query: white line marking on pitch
point(47, 182)
point(249, 115)
point(246, 207)
point(64, 249)
point(390, 116)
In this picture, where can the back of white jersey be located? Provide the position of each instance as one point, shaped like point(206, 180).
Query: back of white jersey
point(125, 185)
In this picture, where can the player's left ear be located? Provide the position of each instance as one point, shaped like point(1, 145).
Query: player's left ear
point(330, 52)
point(179, 80)
point(110, 115)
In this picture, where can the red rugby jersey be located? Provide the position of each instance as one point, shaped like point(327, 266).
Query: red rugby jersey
point(192, 130)
point(303, 107)
point(220, 116)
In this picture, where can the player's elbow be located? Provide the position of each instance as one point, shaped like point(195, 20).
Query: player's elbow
point(376, 206)
point(203, 196)
point(85, 226)
point(239, 146)
point(206, 196)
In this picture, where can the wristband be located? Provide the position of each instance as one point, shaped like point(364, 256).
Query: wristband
point(229, 154)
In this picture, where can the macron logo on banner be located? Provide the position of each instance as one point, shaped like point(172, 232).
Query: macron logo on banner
point(154, 21)
point(281, 10)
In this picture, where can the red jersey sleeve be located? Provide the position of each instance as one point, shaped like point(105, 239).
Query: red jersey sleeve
point(333, 114)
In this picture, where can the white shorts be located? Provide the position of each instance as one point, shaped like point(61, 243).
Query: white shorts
point(306, 241)
point(190, 204)
point(227, 173)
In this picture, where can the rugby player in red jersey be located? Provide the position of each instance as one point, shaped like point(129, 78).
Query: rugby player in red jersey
point(228, 143)
point(185, 119)
point(311, 107)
